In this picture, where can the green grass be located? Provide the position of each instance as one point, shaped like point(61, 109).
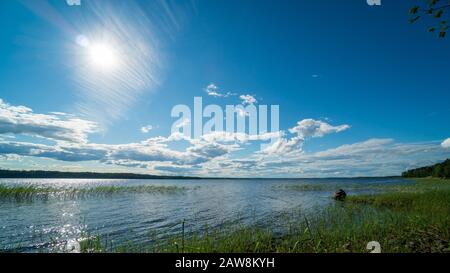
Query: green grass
point(334, 187)
point(372, 186)
point(33, 192)
point(408, 218)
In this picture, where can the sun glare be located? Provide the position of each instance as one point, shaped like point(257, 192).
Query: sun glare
point(103, 56)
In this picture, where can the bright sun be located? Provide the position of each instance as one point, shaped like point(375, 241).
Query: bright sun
point(103, 56)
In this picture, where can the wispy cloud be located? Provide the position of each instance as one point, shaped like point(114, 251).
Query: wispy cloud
point(372, 157)
point(105, 96)
point(223, 136)
point(213, 90)
point(248, 99)
point(146, 129)
point(22, 120)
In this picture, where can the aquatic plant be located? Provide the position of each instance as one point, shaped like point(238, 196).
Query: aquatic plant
point(33, 192)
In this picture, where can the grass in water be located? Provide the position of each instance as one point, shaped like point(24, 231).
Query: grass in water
point(33, 192)
point(410, 218)
point(305, 187)
point(373, 186)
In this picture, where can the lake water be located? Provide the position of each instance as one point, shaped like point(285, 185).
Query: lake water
point(42, 225)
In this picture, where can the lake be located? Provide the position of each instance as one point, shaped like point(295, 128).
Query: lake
point(47, 224)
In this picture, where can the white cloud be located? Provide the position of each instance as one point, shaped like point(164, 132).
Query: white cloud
point(316, 128)
point(209, 149)
point(305, 128)
point(373, 157)
point(248, 99)
point(146, 129)
point(22, 120)
point(446, 143)
point(131, 154)
point(213, 90)
point(285, 146)
point(11, 157)
point(214, 153)
point(367, 158)
point(73, 2)
point(370, 146)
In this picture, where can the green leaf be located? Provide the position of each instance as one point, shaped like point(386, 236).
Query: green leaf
point(414, 10)
point(438, 13)
point(433, 2)
point(442, 34)
point(413, 20)
point(431, 29)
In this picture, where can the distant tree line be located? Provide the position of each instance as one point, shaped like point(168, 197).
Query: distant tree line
point(437, 170)
point(81, 175)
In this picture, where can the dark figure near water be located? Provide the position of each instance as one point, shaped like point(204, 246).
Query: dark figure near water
point(340, 195)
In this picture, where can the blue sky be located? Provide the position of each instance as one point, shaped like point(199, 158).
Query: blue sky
point(361, 91)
